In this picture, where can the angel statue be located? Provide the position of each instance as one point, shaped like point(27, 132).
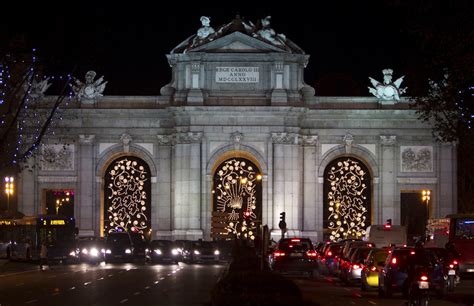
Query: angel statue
point(37, 87)
point(91, 89)
point(388, 90)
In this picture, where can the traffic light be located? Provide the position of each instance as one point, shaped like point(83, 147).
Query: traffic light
point(282, 223)
point(246, 214)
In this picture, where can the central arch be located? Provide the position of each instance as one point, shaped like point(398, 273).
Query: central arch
point(237, 192)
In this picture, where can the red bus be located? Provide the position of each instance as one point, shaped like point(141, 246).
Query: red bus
point(454, 231)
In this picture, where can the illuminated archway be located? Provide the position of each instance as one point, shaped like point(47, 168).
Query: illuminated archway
point(127, 195)
point(347, 199)
point(237, 191)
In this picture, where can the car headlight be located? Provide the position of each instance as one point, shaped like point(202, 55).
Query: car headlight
point(73, 253)
point(94, 252)
point(108, 251)
point(147, 250)
point(216, 252)
point(174, 252)
point(84, 251)
point(158, 251)
point(196, 252)
point(128, 251)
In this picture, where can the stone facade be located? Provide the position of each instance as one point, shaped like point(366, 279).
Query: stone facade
point(237, 95)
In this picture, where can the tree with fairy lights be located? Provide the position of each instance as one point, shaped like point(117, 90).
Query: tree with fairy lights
point(448, 100)
point(26, 116)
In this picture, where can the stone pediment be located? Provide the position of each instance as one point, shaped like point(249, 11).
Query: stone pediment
point(237, 42)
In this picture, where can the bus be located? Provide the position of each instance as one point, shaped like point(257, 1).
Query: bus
point(456, 231)
point(5, 237)
point(26, 235)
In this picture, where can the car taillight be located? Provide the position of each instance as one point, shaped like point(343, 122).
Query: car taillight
point(394, 261)
point(373, 269)
point(311, 253)
point(424, 278)
point(355, 266)
point(279, 254)
point(329, 253)
point(451, 266)
point(295, 240)
point(455, 262)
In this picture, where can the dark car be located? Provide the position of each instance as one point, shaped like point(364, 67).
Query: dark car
point(225, 248)
point(90, 249)
point(202, 251)
point(118, 246)
point(294, 255)
point(140, 245)
point(395, 274)
point(164, 251)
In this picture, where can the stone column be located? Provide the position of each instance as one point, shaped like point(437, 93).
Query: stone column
point(287, 175)
point(27, 189)
point(187, 185)
point(84, 210)
point(161, 211)
point(309, 186)
point(195, 96)
point(447, 181)
point(386, 209)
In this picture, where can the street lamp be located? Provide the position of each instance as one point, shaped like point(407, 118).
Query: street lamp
point(9, 188)
point(425, 197)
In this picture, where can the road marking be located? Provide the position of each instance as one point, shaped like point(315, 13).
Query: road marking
point(72, 288)
point(372, 302)
point(123, 301)
point(100, 278)
point(156, 282)
point(162, 278)
point(169, 274)
point(147, 287)
point(16, 273)
point(136, 293)
point(55, 293)
point(110, 275)
point(87, 283)
point(31, 301)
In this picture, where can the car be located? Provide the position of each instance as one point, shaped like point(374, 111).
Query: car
point(120, 246)
point(90, 249)
point(352, 271)
point(140, 245)
point(164, 251)
point(294, 256)
point(374, 262)
point(393, 277)
point(202, 251)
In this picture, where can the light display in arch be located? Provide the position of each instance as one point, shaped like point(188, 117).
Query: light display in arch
point(347, 199)
point(127, 202)
point(237, 191)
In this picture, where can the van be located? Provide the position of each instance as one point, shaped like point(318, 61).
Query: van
point(384, 236)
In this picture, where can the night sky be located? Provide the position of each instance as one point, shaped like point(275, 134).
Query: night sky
point(348, 40)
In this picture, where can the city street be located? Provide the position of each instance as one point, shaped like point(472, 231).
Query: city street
point(327, 291)
point(107, 284)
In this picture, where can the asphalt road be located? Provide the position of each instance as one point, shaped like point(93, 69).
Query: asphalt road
point(327, 291)
point(107, 284)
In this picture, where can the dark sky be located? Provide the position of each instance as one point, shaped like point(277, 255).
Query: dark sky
point(347, 40)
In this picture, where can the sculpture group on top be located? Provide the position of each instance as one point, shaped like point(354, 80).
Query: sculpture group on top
point(387, 90)
point(89, 90)
point(261, 30)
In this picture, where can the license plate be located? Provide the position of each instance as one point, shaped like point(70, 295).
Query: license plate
point(423, 285)
point(296, 255)
point(452, 272)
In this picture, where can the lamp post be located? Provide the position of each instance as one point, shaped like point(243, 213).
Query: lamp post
point(426, 196)
point(9, 188)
